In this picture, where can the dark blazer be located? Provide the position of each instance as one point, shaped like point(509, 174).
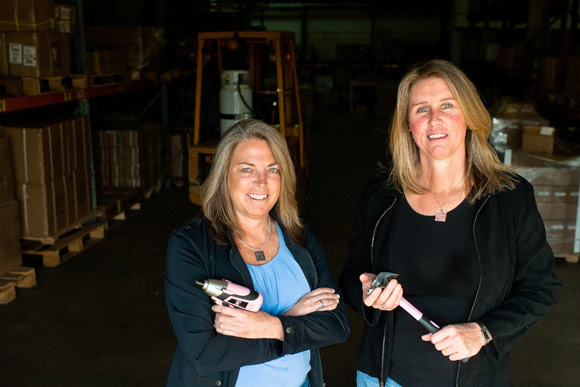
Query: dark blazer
point(516, 283)
point(204, 357)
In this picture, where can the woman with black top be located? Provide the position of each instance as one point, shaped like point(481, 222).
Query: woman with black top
point(464, 234)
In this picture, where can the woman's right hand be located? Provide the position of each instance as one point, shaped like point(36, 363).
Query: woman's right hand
point(382, 299)
point(321, 299)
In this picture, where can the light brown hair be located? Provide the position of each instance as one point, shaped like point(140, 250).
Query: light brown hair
point(484, 172)
point(215, 199)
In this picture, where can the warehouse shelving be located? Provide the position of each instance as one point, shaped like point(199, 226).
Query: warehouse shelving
point(53, 98)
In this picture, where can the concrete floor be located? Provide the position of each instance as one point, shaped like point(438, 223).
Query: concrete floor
point(99, 319)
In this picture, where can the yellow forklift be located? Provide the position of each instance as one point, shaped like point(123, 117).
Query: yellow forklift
point(255, 73)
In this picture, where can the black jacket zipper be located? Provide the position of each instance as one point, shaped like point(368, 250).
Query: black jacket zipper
point(480, 278)
point(382, 379)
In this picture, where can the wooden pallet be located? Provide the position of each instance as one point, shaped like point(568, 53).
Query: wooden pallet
point(83, 81)
point(7, 291)
point(22, 277)
point(78, 224)
point(17, 87)
point(114, 203)
point(68, 245)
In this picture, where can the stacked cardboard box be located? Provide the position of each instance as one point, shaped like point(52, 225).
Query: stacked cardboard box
point(27, 15)
point(118, 158)
point(65, 18)
point(32, 41)
point(556, 185)
point(140, 44)
point(179, 156)
point(106, 62)
point(10, 257)
point(38, 54)
point(50, 159)
point(128, 157)
point(3, 55)
point(509, 120)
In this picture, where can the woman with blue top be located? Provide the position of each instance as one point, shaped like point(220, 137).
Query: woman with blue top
point(251, 235)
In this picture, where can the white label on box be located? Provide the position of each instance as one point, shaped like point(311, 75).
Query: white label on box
point(543, 193)
point(559, 194)
point(15, 53)
point(65, 27)
point(546, 131)
point(29, 56)
point(65, 13)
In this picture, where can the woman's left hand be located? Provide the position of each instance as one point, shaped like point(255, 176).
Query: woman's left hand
point(249, 325)
point(458, 341)
point(321, 299)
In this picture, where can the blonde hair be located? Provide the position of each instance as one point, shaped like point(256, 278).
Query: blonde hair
point(484, 172)
point(215, 199)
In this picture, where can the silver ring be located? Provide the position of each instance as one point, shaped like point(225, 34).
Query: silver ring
point(322, 306)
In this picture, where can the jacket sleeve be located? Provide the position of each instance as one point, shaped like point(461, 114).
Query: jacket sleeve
point(534, 287)
point(320, 328)
point(359, 261)
point(192, 318)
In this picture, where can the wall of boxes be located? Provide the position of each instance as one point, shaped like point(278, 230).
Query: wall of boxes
point(10, 257)
point(129, 155)
point(556, 185)
point(51, 168)
point(528, 143)
point(49, 186)
point(35, 41)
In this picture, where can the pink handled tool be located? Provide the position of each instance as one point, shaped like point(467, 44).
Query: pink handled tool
point(227, 293)
point(382, 280)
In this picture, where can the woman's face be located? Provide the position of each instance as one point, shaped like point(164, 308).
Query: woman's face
point(253, 180)
point(436, 121)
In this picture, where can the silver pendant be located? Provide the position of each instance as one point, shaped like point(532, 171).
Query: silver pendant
point(440, 216)
point(261, 257)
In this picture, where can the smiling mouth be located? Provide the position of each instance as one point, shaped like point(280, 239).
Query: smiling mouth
point(436, 136)
point(257, 197)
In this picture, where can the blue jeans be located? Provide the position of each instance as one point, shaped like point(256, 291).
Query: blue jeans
point(364, 380)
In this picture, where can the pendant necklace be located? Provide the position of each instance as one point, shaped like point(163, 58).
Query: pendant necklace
point(441, 214)
point(259, 253)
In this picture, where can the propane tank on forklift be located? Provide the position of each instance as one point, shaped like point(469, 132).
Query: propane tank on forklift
point(235, 98)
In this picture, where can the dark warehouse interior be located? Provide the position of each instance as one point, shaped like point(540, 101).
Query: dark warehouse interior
point(122, 105)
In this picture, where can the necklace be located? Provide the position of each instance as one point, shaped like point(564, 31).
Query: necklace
point(441, 214)
point(259, 253)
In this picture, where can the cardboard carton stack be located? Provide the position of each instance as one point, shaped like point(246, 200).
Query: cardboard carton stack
point(556, 185)
point(179, 157)
point(65, 18)
point(10, 257)
point(35, 40)
point(510, 121)
point(128, 156)
point(50, 159)
point(137, 46)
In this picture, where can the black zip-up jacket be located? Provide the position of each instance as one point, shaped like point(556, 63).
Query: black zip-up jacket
point(516, 281)
point(206, 358)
